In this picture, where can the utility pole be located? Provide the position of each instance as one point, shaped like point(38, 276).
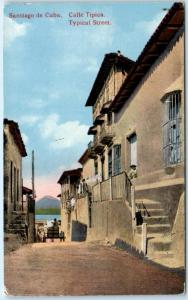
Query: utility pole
point(33, 176)
point(33, 196)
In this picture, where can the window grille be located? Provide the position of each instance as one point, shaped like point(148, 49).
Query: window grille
point(171, 129)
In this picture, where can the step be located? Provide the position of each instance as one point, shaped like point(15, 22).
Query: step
point(159, 245)
point(147, 204)
point(18, 221)
point(155, 220)
point(162, 254)
point(158, 228)
point(153, 212)
point(21, 213)
point(17, 226)
point(22, 232)
point(159, 242)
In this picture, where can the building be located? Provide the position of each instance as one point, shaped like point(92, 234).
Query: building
point(69, 182)
point(28, 206)
point(113, 72)
point(16, 215)
point(140, 136)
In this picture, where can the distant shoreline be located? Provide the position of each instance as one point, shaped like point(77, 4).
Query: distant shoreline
point(47, 211)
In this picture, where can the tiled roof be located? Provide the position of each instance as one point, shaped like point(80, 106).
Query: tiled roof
point(109, 61)
point(75, 172)
point(15, 131)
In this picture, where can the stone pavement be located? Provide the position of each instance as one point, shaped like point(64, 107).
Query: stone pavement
point(85, 269)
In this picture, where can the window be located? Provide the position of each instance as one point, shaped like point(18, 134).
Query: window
point(102, 167)
point(17, 195)
point(110, 163)
point(11, 181)
point(133, 149)
point(171, 129)
point(14, 194)
point(109, 118)
point(96, 167)
point(117, 159)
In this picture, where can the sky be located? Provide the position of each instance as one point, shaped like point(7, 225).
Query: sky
point(50, 64)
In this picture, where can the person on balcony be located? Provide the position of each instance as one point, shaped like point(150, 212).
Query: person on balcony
point(133, 172)
point(72, 202)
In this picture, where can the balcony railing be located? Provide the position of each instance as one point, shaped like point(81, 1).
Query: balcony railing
point(117, 187)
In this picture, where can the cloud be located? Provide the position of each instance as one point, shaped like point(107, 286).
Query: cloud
point(150, 26)
point(29, 120)
point(13, 30)
point(25, 138)
point(74, 61)
point(93, 36)
point(142, 29)
point(55, 95)
point(37, 103)
point(63, 135)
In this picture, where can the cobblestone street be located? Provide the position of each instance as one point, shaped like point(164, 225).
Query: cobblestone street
point(84, 269)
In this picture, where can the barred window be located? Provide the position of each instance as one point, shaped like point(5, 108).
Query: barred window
point(171, 129)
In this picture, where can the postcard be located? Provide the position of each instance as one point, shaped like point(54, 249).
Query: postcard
point(94, 114)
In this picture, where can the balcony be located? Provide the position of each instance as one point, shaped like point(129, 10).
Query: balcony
point(106, 135)
point(98, 147)
point(91, 150)
point(117, 187)
point(92, 130)
point(99, 120)
point(105, 108)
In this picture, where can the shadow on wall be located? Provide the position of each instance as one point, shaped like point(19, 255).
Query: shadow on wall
point(79, 231)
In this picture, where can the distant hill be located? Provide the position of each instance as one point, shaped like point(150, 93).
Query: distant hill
point(47, 202)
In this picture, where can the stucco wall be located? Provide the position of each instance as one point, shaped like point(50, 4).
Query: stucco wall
point(82, 210)
point(11, 153)
point(88, 169)
point(144, 114)
point(31, 227)
point(111, 220)
point(178, 233)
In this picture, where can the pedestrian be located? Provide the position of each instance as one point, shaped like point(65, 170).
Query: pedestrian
point(62, 236)
point(55, 223)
